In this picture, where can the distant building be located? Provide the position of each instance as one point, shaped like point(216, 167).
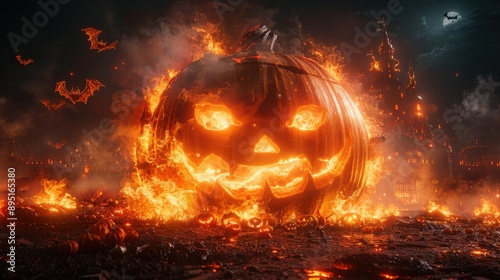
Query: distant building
point(476, 161)
point(411, 149)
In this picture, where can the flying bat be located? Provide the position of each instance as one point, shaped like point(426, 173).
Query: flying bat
point(450, 17)
point(75, 95)
point(24, 62)
point(95, 43)
point(57, 146)
point(52, 106)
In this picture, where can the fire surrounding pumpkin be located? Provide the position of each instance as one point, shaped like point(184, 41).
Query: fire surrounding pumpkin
point(259, 125)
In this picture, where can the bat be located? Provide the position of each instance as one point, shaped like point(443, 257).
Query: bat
point(24, 62)
point(75, 95)
point(95, 43)
point(52, 106)
point(450, 17)
point(57, 146)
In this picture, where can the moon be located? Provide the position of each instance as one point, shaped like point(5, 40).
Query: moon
point(451, 18)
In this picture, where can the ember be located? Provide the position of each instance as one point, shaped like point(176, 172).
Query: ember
point(266, 154)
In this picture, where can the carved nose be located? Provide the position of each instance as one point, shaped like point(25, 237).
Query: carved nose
point(266, 146)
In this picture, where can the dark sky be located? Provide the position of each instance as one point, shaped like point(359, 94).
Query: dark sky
point(469, 47)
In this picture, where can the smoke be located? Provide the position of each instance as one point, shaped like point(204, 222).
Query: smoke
point(475, 193)
point(478, 115)
point(16, 125)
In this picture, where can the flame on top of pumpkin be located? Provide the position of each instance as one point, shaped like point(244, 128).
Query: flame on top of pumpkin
point(309, 117)
point(213, 116)
point(54, 194)
point(328, 57)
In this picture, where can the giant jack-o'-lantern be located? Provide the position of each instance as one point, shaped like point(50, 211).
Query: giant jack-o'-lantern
point(256, 124)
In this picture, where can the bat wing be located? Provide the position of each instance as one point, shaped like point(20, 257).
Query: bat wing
point(445, 15)
point(111, 46)
point(63, 91)
point(90, 87)
point(46, 103)
point(58, 105)
point(24, 61)
point(93, 37)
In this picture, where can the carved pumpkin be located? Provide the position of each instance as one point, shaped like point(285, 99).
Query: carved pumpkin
point(259, 124)
point(89, 243)
point(253, 224)
point(265, 232)
point(231, 223)
point(306, 222)
point(67, 248)
point(206, 220)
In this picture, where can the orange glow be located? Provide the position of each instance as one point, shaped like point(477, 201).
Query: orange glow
point(487, 208)
point(54, 194)
point(266, 145)
point(213, 116)
point(285, 177)
point(210, 40)
point(318, 274)
point(155, 199)
point(388, 276)
point(309, 117)
point(158, 85)
point(328, 57)
point(374, 64)
point(433, 206)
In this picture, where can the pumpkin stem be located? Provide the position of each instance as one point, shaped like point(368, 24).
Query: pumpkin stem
point(258, 38)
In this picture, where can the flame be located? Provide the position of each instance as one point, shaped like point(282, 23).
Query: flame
point(433, 206)
point(54, 194)
point(329, 57)
point(362, 210)
point(153, 92)
point(209, 42)
point(266, 145)
point(213, 117)
point(389, 276)
point(155, 199)
point(309, 117)
point(318, 274)
point(374, 64)
point(487, 208)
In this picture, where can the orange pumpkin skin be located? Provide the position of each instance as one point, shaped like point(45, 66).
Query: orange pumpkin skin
point(131, 236)
point(89, 243)
point(107, 222)
point(264, 98)
point(67, 248)
point(100, 230)
point(114, 238)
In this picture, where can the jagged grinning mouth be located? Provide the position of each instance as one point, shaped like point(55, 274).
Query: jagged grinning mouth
point(284, 178)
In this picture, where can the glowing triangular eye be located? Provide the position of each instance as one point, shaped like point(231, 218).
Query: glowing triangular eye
point(309, 117)
point(213, 116)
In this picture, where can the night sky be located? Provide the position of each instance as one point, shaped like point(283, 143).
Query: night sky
point(447, 59)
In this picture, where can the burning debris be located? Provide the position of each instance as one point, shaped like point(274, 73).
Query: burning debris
point(257, 164)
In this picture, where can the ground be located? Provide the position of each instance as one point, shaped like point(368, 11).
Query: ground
point(430, 247)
